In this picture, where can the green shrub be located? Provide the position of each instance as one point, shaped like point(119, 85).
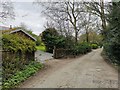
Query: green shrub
point(16, 43)
point(38, 42)
point(51, 38)
point(82, 48)
point(18, 51)
point(94, 46)
point(20, 76)
point(112, 37)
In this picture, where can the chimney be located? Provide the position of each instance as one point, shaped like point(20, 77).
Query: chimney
point(10, 26)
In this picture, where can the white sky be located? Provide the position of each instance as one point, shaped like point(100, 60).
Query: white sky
point(29, 14)
point(57, 0)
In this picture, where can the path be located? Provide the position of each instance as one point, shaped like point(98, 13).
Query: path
point(88, 71)
point(41, 56)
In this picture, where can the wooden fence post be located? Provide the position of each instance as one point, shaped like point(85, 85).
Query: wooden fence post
point(54, 52)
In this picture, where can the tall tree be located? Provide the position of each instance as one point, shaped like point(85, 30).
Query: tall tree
point(101, 10)
point(66, 14)
point(89, 22)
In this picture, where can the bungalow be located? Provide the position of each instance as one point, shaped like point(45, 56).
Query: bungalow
point(16, 54)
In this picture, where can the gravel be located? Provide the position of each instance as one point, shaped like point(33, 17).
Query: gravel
point(87, 71)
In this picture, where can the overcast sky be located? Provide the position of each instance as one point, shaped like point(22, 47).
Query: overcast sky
point(30, 15)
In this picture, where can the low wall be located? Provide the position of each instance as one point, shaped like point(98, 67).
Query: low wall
point(61, 53)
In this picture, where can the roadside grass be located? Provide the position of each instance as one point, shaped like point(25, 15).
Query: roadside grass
point(42, 48)
point(22, 75)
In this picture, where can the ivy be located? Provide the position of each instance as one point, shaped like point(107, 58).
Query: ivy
point(14, 43)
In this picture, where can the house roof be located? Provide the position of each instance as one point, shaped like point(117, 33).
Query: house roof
point(10, 31)
point(4, 28)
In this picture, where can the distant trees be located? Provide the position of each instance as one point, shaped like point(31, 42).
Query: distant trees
point(93, 37)
point(100, 9)
point(71, 18)
point(66, 16)
point(89, 24)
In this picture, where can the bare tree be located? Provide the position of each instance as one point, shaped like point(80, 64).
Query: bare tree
point(89, 23)
point(101, 10)
point(66, 14)
point(6, 10)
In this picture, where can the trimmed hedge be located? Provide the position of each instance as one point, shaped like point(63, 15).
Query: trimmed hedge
point(22, 75)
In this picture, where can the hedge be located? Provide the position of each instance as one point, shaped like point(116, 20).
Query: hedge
point(81, 48)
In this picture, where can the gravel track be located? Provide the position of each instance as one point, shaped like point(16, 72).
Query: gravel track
point(87, 71)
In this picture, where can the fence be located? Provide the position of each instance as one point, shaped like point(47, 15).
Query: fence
point(13, 62)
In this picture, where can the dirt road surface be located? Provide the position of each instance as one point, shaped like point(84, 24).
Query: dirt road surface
point(88, 71)
point(41, 56)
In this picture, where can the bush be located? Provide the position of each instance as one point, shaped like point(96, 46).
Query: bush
point(82, 48)
point(20, 76)
point(38, 42)
point(100, 45)
point(18, 51)
point(16, 43)
point(94, 46)
point(112, 39)
point(51, 38)
point(113, 51)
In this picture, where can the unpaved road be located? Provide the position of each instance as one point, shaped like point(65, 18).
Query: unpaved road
point(88, 71)
point(41, 56)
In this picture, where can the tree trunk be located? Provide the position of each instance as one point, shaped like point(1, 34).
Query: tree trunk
point(103, 17)
point(87, 36)
point(76, 34)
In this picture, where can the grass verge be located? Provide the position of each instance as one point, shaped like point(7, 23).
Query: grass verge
point(21, 76)
point(42, 48)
